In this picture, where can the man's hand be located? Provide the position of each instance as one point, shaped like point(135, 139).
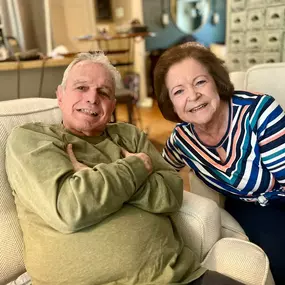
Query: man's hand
point(76, 164)
point(144, 157)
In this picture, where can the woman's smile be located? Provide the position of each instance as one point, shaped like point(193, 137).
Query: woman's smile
point(198, 108)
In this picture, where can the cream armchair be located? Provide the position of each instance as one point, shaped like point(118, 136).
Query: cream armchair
point(199, 219)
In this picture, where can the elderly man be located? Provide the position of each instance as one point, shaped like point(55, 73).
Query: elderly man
point(94, 198)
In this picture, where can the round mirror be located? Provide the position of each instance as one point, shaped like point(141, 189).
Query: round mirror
point(189, 15)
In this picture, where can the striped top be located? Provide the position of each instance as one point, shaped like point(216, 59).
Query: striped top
point(254, 168)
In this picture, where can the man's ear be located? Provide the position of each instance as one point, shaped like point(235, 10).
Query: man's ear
point(59, 94)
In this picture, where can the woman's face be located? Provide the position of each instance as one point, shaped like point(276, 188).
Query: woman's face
point(193, 92)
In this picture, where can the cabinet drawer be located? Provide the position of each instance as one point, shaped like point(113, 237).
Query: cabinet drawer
point(275, 2)
point(238, 21)
point(255, 3)
point(255, 19)
point(283, 55)
point(275, 17)
point(254, 40)
point(252, 59)
point(237, 5)
point(271, 57)
point(273, 40)
point(236, 41)
point(235, 61)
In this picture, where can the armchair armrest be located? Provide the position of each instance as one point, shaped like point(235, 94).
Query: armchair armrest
point(230, 227)
point(237, 258)
point(200, 188)
point(199, 223)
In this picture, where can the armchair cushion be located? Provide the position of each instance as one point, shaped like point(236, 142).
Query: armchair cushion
point(199, 223)
point(240, 260)
point(13, 113)
point(229, 226)
point(257, 79)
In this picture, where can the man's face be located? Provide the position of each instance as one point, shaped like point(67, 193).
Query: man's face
point(88, 101)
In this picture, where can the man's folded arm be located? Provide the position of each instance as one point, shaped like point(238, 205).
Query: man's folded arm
point(162, 192)
point(41, 174)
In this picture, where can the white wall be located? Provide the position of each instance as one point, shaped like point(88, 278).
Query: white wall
point(70, 19)
point(73, 18)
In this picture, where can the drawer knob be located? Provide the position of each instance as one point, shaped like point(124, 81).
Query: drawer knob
point(254, 18)
point(273, 39)
point(253, 40)
point(275, 16)
point(252, 60)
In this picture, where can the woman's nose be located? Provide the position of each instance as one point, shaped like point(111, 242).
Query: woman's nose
point(193, 95)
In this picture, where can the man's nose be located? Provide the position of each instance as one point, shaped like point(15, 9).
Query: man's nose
point(92, 97)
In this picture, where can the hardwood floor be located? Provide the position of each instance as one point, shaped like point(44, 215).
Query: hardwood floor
point(158, 129)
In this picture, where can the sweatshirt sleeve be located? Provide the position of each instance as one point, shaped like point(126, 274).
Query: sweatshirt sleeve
point(41, 175)
point(162, 192)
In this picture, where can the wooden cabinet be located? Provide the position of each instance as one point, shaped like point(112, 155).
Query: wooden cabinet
point(255, 33)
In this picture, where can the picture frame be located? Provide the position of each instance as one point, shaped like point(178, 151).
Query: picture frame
point(103, 10)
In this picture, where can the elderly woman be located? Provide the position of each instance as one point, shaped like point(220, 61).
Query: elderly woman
point(233, 140)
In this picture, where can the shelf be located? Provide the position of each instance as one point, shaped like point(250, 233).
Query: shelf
point(52, 62)
point(119, 51)
point(109, 37)
point(122, 63)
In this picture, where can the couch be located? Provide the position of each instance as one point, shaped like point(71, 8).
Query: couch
point(216, 238)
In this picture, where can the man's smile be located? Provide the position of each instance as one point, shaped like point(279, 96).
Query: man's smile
point(87, 111)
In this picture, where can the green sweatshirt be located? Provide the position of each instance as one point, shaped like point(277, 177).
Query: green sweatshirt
point(108, 224)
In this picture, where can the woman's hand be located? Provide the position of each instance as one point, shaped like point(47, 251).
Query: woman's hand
point(76, 164)
point(144, 157)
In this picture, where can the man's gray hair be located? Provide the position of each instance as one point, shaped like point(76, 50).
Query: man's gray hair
point(96, 57)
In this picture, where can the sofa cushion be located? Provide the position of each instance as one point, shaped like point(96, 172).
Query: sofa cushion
point(237, 78)
point(14, 113)
point(199, 223)
point(230, 256)
point(267, 78)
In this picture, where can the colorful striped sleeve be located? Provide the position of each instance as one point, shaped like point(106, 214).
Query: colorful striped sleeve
point(172, 154)
point(271, 136)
